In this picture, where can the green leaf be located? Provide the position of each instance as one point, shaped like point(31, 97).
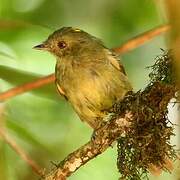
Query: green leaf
point(24, 134)
point(6, 55)
point(7, 51)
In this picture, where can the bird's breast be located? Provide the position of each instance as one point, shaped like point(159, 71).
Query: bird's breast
point(97, 85)
point(92, 89)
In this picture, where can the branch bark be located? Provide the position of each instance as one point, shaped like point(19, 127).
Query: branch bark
point(129, 45)
point(103, 138)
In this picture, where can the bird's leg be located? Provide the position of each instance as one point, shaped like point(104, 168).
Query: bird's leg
point(106, 118)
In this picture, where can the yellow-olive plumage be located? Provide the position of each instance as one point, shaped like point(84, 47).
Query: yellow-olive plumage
point(87, 73)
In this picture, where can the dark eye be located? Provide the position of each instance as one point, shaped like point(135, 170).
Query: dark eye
point(62, 44)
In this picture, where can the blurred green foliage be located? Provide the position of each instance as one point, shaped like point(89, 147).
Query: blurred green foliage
point(41, 121)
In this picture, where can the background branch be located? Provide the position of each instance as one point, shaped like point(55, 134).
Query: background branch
point(174, 19)
point(141, 39)
point(27, 87)
point(129, 45)
point(21, 153)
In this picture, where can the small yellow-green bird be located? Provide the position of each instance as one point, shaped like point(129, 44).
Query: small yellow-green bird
point(89, 75)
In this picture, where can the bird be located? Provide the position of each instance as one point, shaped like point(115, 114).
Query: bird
point(88, 75)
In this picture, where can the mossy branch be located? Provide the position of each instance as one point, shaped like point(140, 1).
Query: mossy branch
point(139, 124)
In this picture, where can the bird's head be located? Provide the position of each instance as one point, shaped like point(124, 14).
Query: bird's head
point(70, 41)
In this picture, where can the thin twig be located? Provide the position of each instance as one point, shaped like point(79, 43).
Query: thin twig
point(27, 87)
point(141, 39)
point(129, 45)
point(10, 24)
point(21, 153)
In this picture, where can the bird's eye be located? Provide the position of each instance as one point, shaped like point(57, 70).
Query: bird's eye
point(62, 44)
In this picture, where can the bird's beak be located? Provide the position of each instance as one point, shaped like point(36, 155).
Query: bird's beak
point(41, 47)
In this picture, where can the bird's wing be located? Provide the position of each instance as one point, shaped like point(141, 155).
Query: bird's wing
point(60, 90)
point(115, 62)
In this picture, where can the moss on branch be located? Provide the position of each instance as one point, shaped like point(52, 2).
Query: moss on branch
point(146, 147)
